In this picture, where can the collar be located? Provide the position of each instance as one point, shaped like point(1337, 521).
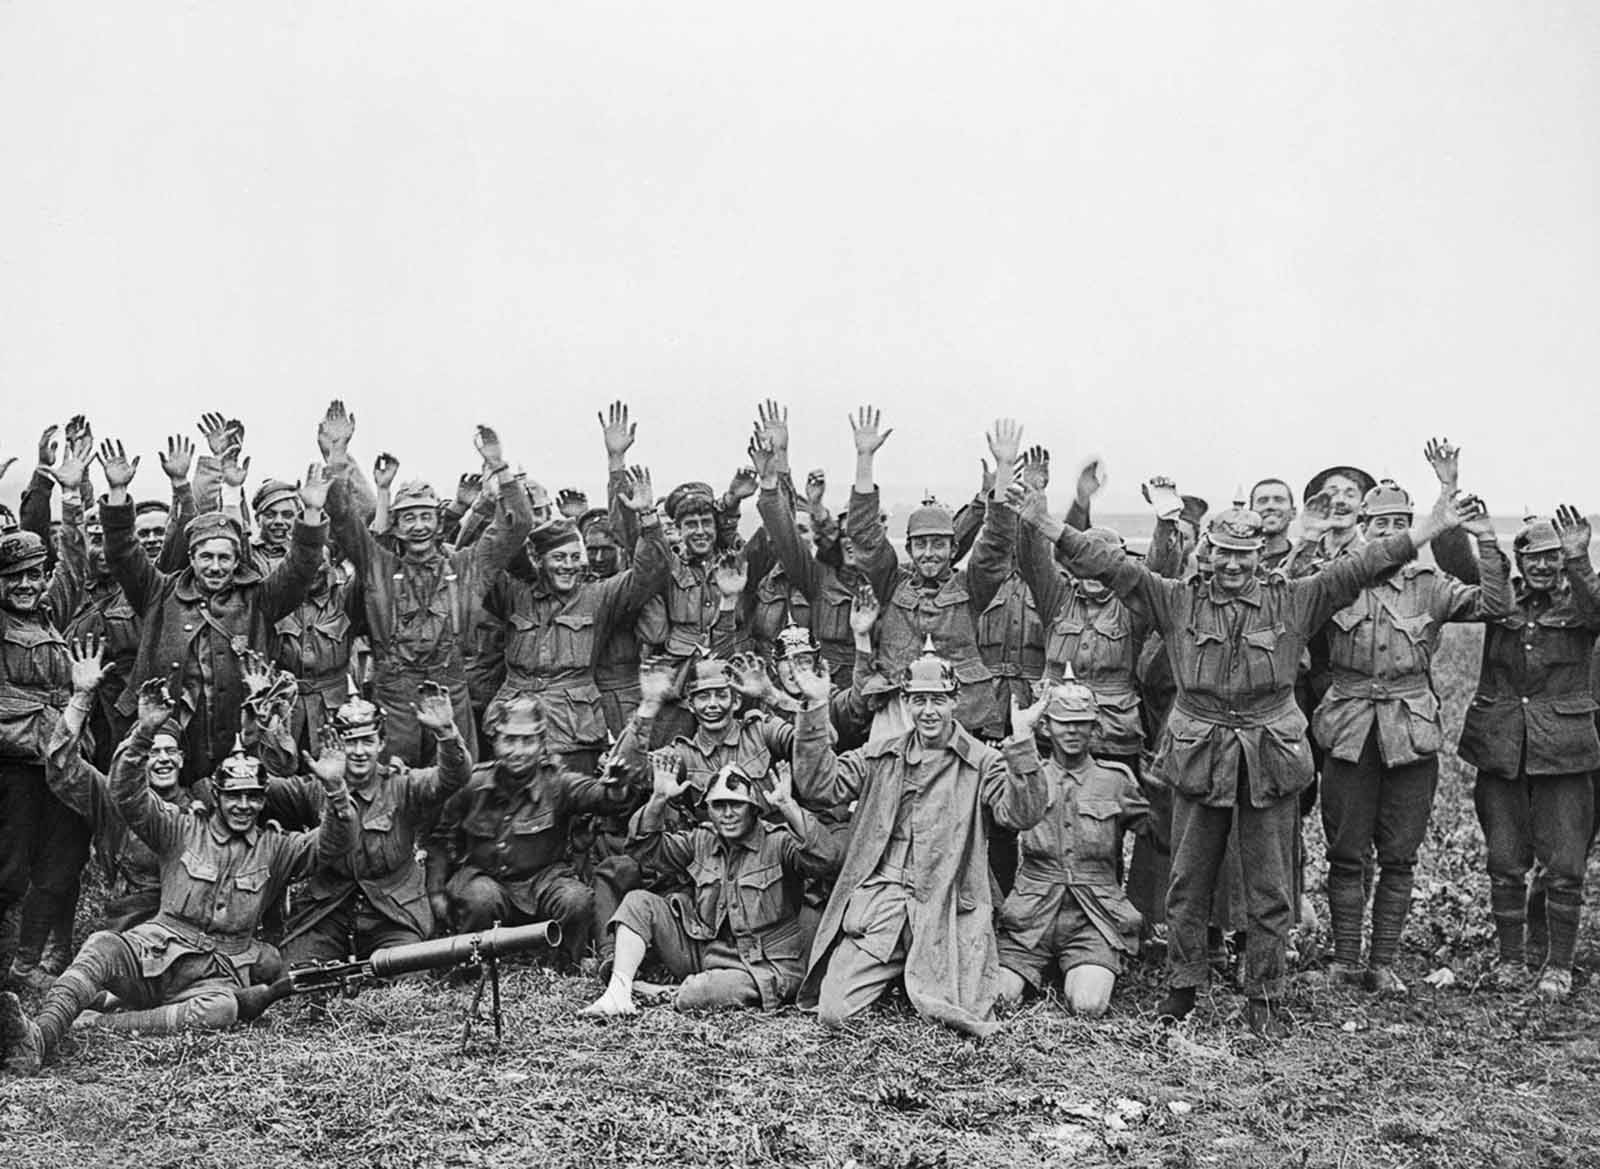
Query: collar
point(222, 834)
point(705, 744)
point(750, 841)
point(1249, 595)
point(963, 744)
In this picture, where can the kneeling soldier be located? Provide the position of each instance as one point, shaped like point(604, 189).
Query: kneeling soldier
point(188, 967)
point(1067, 907)
point(736, 940)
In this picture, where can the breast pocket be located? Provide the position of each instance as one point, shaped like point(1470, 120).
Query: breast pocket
point(1261, 656)
point(1097, 829)
point(761, 896)
point(198, 885)
point(574, 637)
point(1206, 645)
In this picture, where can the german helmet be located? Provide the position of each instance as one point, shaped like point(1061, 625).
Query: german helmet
point(710, 674)
point(1237, 528)
point(358, 718)
point(518, 714)
point(929, 673)
point(1387, 498)
point(1071, 701)
point(1537, 534)
point(239, 772)
point(794, 639)
point(414, 493)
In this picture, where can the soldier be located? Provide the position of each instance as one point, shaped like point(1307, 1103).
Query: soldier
point(913, 897)
point(376, 894)
point(189, 966)
point(198, 623)
point(736, 939)
point(1234, 749)
point(1273, 501)
point(508, 832)
point(1067, 907)
point(419, 600)
point(132, 867)
point(1379, 727)
point(559, 623)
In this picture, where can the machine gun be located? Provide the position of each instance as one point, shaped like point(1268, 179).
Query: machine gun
point(480, 951)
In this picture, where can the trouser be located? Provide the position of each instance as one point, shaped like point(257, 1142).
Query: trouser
point(353, 928)
point(396, 691)
point(712, 974)
point(1266, 838)
point(868, 954)
point(1541, 820)
point(43, 848)
point(1367, 805)
point(556, 894)
point(196, 990)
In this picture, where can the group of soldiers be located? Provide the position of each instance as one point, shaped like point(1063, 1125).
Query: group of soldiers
point(302, 722)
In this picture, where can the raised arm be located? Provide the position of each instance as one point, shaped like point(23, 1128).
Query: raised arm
point(124, 557)
point(514, 518)
point(821, 778)
point(291, 579)
point(151, 818)
point(1575, 535)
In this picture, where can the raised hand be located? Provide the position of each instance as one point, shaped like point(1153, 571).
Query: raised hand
point(571, 502)
point(434, 708)
point(48, 446)
point(866, 432)
point(178, 458)
point(814, 685)
point(1090, 480)
point(488, 443)
point(335, 430)
point(467, 489)
point(1316, 510)
point(656, 683)
point(730, 574)
point(1005, 441)
point(635, 490)
point(1161, 493)
point(781, 793)
point(816, 488)
point(234, 471)
point(743, 483)
point(772, 424)
point(75, 460)
point(384, 468)
point(864, 610)
point(213, 428)
point(1036, 468)
point(1573, 528)
point(764, 459)
point(256, 673)
point(1445, 459)
point(314, 488)
point(616, 429)
point(155, 705)
point(666, 778)
point(87, 667)
point(1475, 517)
point(119, 469)
point(749, 675)
point(80, 434)
point(1025, 718)
point(328, 766)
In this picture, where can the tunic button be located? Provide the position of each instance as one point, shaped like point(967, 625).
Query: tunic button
point(174, 666)
point(1524, 702)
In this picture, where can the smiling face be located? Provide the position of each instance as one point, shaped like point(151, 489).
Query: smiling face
point(1540, 570)
point(519, 752)
point(1385, 525)
point(1273, 503)
point(1344, 501)
point(240, 810)
point(417, 526)
point(213, 562)
point(698, 531)
point(150, 529)
point(931, 555)
point(94, 539)
point(731, 819)
point(563, 568)
point(361, 754)
point(1234, 568)
point(276, 522)
point(163, 764)
point(934, 716)
point(1069, 737)
point(712, 707)
point(22, 591)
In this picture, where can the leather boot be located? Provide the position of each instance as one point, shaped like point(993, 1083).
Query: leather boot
point(36, 915)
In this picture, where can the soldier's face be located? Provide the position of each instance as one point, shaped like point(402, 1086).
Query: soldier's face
point(162, 765)
point(213, 562)
point(1233, 568)
point(931, 555)
point(241, 810)
point(94, 539)
point(1272, 503)
point(934, 716)
point(563, 567)
point(519, 752)
point(150, 529)
point(731, 819)
point(277, 521)
point(1540, 570)
point(712, 708)
point(1385, 525)
point(847, 552)
point(793, 666)
point(22, 591)
point(1344, 501)
point(417, 525)
point(604, 557)
point(698, 530)
point(361, 755)
point(1070, 736)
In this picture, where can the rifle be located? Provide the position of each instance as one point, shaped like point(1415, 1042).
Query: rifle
point(482, 950)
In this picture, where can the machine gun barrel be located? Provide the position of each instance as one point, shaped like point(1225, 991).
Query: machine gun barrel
point(463, 949)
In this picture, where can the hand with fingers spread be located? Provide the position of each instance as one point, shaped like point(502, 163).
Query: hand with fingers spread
point(1445, 459)
point(749, 676)
point(88, 667)
point(864, 611)
point(234, 470)
point(487, 440)
point(384, 469)
point(213, 427)
point(329, 764)
point(816, 489)
point(618, 431)
point(730, 575)
point(1036, 468)
point(434, 709)
point(256, 673)
point(1572, 527)
point(1475, 517)
point(636, 493)
point(314, 492)
point(119, 470)
point(155, 705)
point(178, 458)
point(1316, 513)
point(80, 434)
point(335, 430)
point(765, 461)
point(814, 685)
point(743, 484)
point(772, 424)
point(656, 684)
point(667, 781)
point(467, 489)
point(1005, 441)
point(866, 431)
point(74, 460)
point(571, 502)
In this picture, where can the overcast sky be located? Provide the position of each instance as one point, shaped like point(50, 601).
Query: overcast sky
point(1219, 240)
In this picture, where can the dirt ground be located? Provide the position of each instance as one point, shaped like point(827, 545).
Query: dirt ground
point(1455, 1075)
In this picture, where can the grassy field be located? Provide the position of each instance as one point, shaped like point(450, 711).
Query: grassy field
point(1453, 1076)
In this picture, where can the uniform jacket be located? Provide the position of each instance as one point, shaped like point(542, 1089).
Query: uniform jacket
point(35, 672)
point(952, 964)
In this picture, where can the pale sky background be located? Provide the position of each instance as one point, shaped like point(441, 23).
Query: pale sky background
point(1218, 240)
